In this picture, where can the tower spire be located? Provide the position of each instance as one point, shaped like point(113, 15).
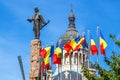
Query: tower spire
point(71, 6)
point(71, 19)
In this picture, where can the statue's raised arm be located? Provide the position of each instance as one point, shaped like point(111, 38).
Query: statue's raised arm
point(39, 22)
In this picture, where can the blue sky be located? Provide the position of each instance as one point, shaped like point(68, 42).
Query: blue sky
point(16, 33)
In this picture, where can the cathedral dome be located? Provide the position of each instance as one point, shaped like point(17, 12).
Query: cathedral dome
point(68, 35)
point(71, 32)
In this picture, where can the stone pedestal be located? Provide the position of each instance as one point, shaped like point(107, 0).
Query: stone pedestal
point(34, 59)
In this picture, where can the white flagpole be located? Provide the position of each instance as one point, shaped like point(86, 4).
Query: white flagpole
point(45, 72)
point(98, 46)
point(82, 61)
point(60, 66)
point(71, 37)
point(98, 43)
point(83, 34)
point(58, 73)
point(61, 72)
point(77, 63)
point(70, 64)
point(88, 47)
point(52, 43)
point(89, 43)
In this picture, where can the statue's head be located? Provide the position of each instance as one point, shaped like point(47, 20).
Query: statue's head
point(36, 9)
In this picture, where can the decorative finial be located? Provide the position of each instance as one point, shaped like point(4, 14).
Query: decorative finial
point(98, 27)
point(71, 18)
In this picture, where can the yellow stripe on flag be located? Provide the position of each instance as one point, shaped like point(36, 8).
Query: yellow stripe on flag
point(73, 44)
point(58, 52)
point(46, 60)
point(92, 42)
point(48, 51)
point(102, 41)
point(81, 40)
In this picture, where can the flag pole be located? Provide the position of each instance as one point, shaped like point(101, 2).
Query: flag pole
point(61, 73)
point(88, 47)
point(78, 64)
point(52, 43)
point(39, 69)
point(82, 65)
point(70, 57)
point(58, 73)
point(70, 63)
point(40, 75)
point(78, 61)
point(60, 66)
point(83, 57)
point(45, 72)
point(98, 47)
point(98, 43)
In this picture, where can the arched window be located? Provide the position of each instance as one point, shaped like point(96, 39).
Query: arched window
point(80, 57)
point(83, 58)
point(75, 58)
point(67, 60)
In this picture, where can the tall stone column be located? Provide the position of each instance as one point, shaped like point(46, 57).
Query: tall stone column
point(34, 59)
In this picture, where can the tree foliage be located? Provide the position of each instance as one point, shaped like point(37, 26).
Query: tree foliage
point(113, 62)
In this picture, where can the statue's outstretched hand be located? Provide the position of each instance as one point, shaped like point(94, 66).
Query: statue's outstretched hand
point(29, 20)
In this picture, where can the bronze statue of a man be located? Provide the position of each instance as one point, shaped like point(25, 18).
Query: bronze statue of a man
point(39, 22)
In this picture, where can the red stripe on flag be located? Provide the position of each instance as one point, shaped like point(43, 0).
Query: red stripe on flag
point(102, 50)
point(42, 53)
point(93, 49)
point(47, 66)
point(56, 59)
point(68, 48)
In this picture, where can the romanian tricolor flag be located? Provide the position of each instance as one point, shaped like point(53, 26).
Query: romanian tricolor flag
point(93, 47)
point(57, 55)
point(47, 62)
point(80, 44)
point(103, 44)
point(48, 51)
point(68, 48)
point(73, 44)
point(42, 53)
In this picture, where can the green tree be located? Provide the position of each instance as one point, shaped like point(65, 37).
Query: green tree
point(113, 62)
